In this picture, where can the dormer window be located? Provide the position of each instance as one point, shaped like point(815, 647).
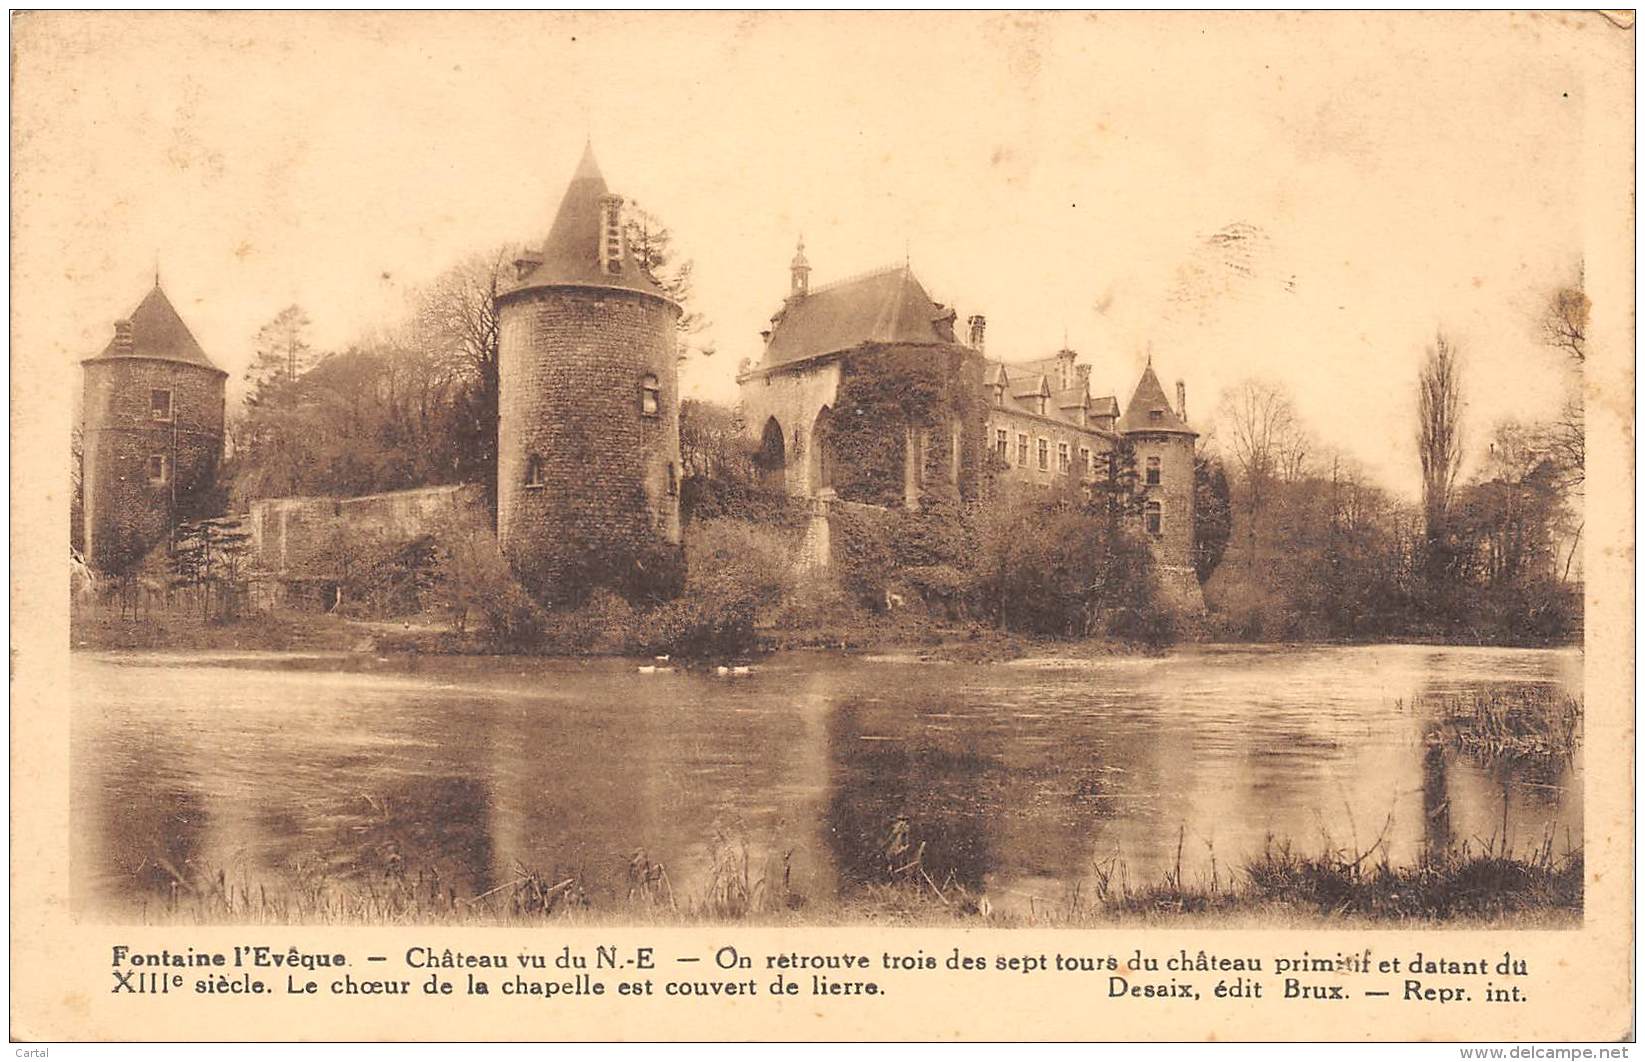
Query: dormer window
point(999, 394)
point(535, 473)
point(1156, 415)
point(160, 404)
point(1042, 400)
point(650, 395)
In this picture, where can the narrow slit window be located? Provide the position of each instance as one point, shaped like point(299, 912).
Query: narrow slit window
point(650, 395)
point(1151, 517)
point(160, 404)
point(1153, 471)
point(534, 471)
point(159, 468)
point(673, 480)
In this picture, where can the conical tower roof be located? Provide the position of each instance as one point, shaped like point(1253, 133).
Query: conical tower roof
point(157, 331)
point(571, 254)
point(1150, 410)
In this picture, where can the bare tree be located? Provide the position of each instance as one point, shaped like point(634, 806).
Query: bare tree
point(1268, 445)
point(1439, 441)
point(1565, 321)
point(455, 322)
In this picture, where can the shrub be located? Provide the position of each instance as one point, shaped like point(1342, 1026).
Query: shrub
point(473, 579)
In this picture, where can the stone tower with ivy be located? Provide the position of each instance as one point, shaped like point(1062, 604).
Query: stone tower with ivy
point(588, 434)
point(152, 435)
point(1163, 444)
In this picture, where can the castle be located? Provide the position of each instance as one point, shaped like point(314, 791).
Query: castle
point(588, 439)
point(1041, 424)
point(153, 435)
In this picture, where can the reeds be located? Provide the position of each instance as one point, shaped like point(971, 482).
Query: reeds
point(1509, 722)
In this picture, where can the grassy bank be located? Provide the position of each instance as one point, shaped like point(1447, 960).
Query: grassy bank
point(1463, 886)
point(184, 629)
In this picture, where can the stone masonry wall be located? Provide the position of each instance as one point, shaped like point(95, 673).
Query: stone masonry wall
point(571, 365)
point(1174, 548)
point(293, 537)
point(126, 512)
point(794, 397)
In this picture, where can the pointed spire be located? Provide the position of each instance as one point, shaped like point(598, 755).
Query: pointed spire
point(799, 271)
point(589, 168)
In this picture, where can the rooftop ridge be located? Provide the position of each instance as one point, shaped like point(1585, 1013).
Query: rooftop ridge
point(855, 277)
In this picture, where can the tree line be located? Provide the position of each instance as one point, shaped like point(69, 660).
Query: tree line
point(1319, 550)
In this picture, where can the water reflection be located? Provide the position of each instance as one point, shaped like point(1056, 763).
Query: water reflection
point(1016, 780)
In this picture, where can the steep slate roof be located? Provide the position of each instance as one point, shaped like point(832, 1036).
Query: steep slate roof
point(158, 332)
point(886, 306)
point(1145, 400)
point(571, 254)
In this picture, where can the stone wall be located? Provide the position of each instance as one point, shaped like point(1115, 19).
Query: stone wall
point(126, 510)
point(794, 398)
point(583, 469)
point(296, 538)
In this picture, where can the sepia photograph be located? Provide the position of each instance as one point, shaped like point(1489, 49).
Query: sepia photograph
point(974, 471)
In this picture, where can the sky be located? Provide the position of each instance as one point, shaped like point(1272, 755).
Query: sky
point(1299, 198)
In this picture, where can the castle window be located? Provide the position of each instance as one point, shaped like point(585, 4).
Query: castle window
point(1062, 458)
point(1045, 454)
point(160, 404)
point(159, 468)
point(1022, 450)
point(1001, 445)
point(1151, 517)
point(1085, 460)
point(1153, 472)
point(534, 472)
point(650, 395)
point(673, 480)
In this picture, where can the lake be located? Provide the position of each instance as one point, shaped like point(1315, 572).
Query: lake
point(1020, 779)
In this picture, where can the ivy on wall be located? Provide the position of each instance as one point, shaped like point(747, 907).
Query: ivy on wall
point(884, 392)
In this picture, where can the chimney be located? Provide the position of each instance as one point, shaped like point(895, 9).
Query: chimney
point(611, 234)
point(1182, 401)
point(122, 336)
point(979, 326)
point(1065, 368)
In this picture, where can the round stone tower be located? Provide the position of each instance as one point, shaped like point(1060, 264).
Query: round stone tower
point(588, 433)
point(152, 435)
point(1164, 447)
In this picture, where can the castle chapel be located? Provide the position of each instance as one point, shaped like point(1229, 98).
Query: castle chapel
point(1041, 425)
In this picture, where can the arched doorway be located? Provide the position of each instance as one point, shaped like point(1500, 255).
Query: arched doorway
point(771, 461)
point(822, 451)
